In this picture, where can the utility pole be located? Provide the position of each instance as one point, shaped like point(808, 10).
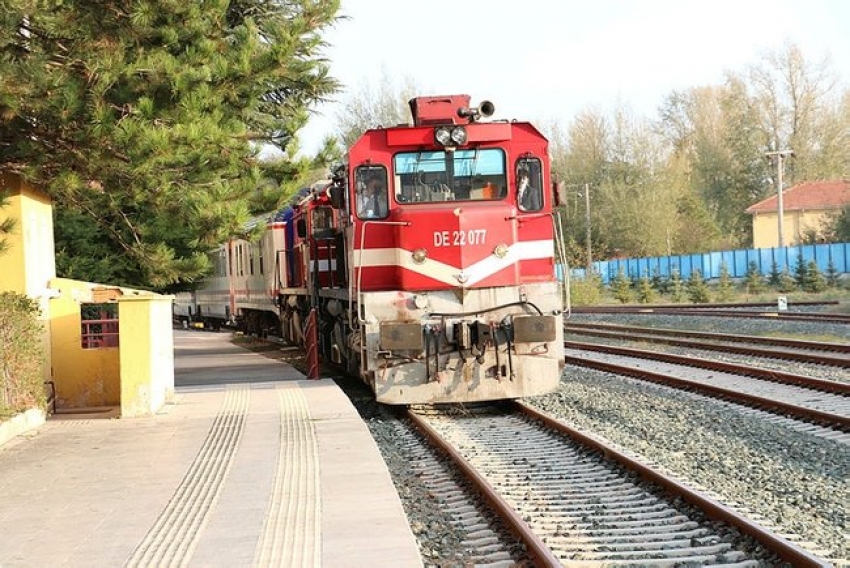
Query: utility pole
point(780, 155)
point(586, 195)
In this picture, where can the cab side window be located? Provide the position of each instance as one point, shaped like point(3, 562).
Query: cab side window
point(529, 184)
point(371, 192)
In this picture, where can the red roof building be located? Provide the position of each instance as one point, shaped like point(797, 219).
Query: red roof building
point(807, 208)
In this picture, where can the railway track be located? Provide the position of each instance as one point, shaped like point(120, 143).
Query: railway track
point(830, 409)
point(576, 501)
point(771, 375)
point(710, 311)
point(786, 349)
point(787, 343)
point(712, 306)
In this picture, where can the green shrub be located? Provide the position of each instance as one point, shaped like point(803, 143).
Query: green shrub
point(587, 291)
point(21, 355)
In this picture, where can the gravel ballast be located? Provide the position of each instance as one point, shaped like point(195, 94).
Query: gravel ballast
point(792, 482)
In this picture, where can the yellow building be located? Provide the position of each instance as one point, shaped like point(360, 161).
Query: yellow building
point(30, 249)
point(807, 208)
point(122, 359)
point(29, 262)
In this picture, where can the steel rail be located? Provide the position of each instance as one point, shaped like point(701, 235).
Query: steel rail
point(698, 307)
point(808, 414)
point(773, 542)
point(825, 385)
point(842, 362)
point(732, 338)
point(536, 548)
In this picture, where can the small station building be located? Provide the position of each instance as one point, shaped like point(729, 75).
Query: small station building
point(108, 349)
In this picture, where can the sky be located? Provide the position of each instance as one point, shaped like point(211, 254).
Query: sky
point(547, 60)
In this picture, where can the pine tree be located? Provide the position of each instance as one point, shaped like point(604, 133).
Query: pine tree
point(677, 288)
point(775, 278)
point(621, 287)
point(697, 288)
point(659, 283)
point(815, 280)
point(786, 282)
point(148, 117)
point(725, 287)
point(832, 275)
point(801, 272)
point(754, 282)
point(645, 291)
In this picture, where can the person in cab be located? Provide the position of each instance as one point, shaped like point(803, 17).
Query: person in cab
point(372, 200)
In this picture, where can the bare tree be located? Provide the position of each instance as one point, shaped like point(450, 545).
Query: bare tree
point(797, 100)
point(370, 107)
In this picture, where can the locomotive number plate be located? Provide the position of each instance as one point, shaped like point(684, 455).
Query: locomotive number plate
point(460, 238)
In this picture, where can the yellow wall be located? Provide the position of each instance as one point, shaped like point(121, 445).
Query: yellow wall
point(83, 377)
point(795, 224)
point(147, 353)
point(29, 262)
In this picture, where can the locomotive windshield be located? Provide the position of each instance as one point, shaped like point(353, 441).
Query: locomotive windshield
point(427, 177)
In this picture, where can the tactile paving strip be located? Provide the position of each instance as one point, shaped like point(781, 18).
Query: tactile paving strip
point(173, 537)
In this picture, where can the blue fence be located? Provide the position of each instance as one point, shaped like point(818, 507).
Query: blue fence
point(737, 262)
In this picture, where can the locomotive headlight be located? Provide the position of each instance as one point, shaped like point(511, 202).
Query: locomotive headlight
point(420, 301)
point(501, 250)
point(443, 136)
point(459, 135)
point(419, 255)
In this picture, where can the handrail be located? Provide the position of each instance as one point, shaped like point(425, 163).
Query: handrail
point(360, 255)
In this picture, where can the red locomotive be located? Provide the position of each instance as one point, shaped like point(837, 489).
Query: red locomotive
point(429, 261)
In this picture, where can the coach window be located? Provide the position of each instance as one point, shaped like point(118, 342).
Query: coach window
point(260, 254)
point(371, 188)
point(529, 184)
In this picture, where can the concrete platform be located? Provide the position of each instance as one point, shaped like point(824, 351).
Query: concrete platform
point(250, 465)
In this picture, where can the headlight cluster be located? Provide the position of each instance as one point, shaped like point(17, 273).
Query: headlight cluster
point(450, 136)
